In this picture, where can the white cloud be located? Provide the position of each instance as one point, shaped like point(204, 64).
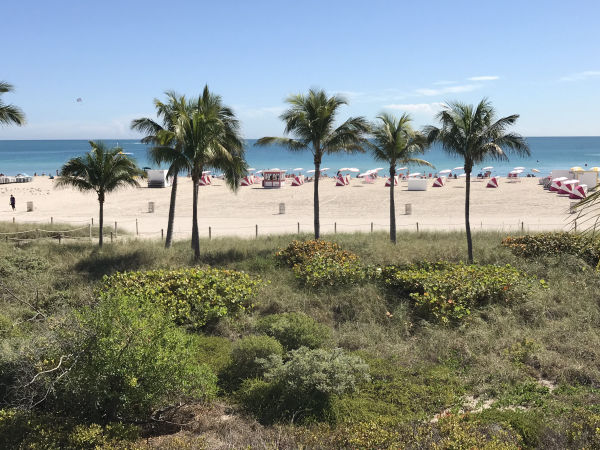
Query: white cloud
point(581, 75)
point(423, 108)
point(484, 78)
point(448, 90)
point(443, 83)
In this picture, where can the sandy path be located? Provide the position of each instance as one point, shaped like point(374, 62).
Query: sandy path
point(353, 207)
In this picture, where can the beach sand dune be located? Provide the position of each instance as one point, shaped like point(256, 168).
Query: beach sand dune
point(352, 207)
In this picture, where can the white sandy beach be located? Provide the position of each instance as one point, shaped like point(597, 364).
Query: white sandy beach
point(353, 207)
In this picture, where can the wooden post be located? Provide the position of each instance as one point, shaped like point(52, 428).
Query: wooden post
point(522, 227)
point(51, 220)
point(256, 231)
point(137, 231)
point(209, 233)
point(575, 223)
point(371, 227)
point(298, 227)
point(334, 227)
point(13, 220)
point(59, 238)
point(92, 221)
point(111, 237)
point(162, 234)
point(90, 230)
point(417, 227)
point(115, 229)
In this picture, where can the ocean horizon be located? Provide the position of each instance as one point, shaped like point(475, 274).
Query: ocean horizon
point(547, 154)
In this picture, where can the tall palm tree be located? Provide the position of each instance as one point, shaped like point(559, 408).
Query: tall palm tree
point(101, 170)
point(395, 142)
point(9, 113)
point(209, 135)
point(166, 149)
point(311, 120)
point(474, 134)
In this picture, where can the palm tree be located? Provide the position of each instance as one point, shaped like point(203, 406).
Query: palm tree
point(166, 149)
point(209, 136)
point(101, 170)
point(474, 134)
point(395, 142)
point(311, 119)
point(9, 113)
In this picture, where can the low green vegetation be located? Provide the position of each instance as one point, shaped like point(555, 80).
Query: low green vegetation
point(137, 346)
point(545, 244)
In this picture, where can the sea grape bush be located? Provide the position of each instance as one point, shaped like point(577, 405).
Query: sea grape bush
point(294, 330)
point(446, 292)
point(192, 297)
point(299, 252)
point(320, 263)
point(532, 245)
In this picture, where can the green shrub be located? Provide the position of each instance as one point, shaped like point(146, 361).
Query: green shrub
point(543, 244)
point(294, 330)
point(528, 424)
point(320, 263)
point(301, 387)
point(130, 360)
point(246, 356)
point(22, 429)
point(192, 297)
point(446, 292)
point(299, 252)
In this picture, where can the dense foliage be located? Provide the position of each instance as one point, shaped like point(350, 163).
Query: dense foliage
point(302, 385)
point(294, 330)
point(448, 292)
point(245, 358)
point(544, 244)
point(192, 297)
point(319, 263)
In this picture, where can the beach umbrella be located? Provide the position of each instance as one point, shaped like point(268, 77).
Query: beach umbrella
point(403, 168)
point(515, 172)
point(414, 174)
point(459, 168)
point(535, 170)
point(205, 171)
point(488, 168)
point(324, 169)
point(378, 168)
point(595, 169)
point(462, 175)
point(259, 171)
point(353, 169)
point(576, 169)
point(519, 168)
point(251, 169)
point(310, 171)
point(445, 171)
point(298, 169)
point(343, 169)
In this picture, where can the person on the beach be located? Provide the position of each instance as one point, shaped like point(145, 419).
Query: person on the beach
point(12, 202)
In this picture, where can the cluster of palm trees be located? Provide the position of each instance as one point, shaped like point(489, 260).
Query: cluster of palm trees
point(201, 133)
point(472, 133)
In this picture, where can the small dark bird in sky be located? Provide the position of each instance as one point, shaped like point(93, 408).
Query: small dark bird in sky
point(79, 99)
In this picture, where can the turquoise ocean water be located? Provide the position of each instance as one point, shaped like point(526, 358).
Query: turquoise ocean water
point(547, 153)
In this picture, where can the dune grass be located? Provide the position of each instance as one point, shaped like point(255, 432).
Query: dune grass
point(505, 354)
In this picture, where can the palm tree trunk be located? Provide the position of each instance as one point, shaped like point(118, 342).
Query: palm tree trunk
point(392, 205)
point(195, 237)
point(316, 199)
point(101, 221)
point(467, 222)
point(171, 220)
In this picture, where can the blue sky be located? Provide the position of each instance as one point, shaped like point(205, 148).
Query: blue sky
point(539, 59)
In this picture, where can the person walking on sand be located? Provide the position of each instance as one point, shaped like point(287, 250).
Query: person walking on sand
point(12, 202)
